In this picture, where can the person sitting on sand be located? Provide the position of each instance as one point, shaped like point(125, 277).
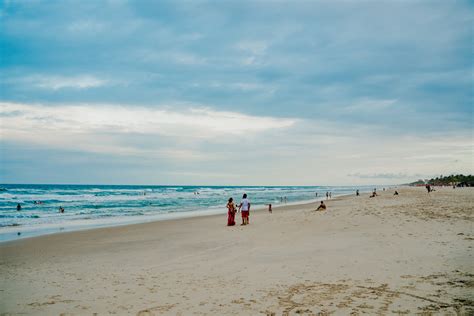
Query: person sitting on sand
point(244, 207)
point(231, 212)
point(321, 207)
point(374, 194)
point(396, 193)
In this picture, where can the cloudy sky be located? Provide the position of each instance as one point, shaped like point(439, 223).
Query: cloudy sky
point(235, 92)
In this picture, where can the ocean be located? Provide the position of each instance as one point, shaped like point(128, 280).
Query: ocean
point(89, 206)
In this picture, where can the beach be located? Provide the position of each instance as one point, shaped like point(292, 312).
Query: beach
point(404, 254)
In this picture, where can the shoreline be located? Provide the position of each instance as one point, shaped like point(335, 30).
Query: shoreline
point(159, 218)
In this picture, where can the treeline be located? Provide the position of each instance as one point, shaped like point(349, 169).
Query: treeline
point(458, 180)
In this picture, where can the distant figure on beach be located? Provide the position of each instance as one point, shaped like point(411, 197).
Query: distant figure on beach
point(244, 208)
point(61, 209)
point(327, 195)
point(321, 207)
point(316, 194)
point(374, 194)
point(285, 200)
point(18, 207)
point(231, 212)
point(428, 188)
point(396, 193)
point(330, 195)
point(281, 199)
point(269, 208)
point(357, 192)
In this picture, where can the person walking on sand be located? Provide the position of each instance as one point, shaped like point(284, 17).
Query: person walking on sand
point(244, 208)
point(428, 188)
point(231, 212)
point(321, 207)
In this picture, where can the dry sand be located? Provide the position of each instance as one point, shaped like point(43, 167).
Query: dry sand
point(402, 254)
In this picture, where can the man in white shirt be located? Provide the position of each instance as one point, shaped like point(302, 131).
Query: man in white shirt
point(244, 207)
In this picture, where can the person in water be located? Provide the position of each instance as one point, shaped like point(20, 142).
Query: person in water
point(61, 209)
point(230, 212)
point(18, 207)
point(321, 207)
point(244, 207)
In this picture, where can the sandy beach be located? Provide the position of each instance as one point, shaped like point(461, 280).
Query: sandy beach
point(403, 254)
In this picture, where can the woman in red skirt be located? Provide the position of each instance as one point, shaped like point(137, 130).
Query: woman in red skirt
point(231, 213)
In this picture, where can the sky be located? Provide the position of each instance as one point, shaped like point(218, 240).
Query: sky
point(235, 92)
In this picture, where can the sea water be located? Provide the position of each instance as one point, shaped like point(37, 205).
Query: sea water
point(88, 206)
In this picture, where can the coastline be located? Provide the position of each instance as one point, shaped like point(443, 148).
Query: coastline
point(34, 232)
point(411, 253)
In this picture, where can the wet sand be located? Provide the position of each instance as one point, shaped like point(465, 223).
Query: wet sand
point(403, 254)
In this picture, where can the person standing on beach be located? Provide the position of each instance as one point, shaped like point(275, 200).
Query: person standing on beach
point(327, 195)
point(231, 212)
point(330, 195)
point(244, 208)
point(357, 192)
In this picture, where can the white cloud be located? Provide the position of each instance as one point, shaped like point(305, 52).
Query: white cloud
point(253, 47)
point(177, 57)
point(369, 105)
point(254, 52)
point(106, 128)
point(62, 82)
point(85, 26)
